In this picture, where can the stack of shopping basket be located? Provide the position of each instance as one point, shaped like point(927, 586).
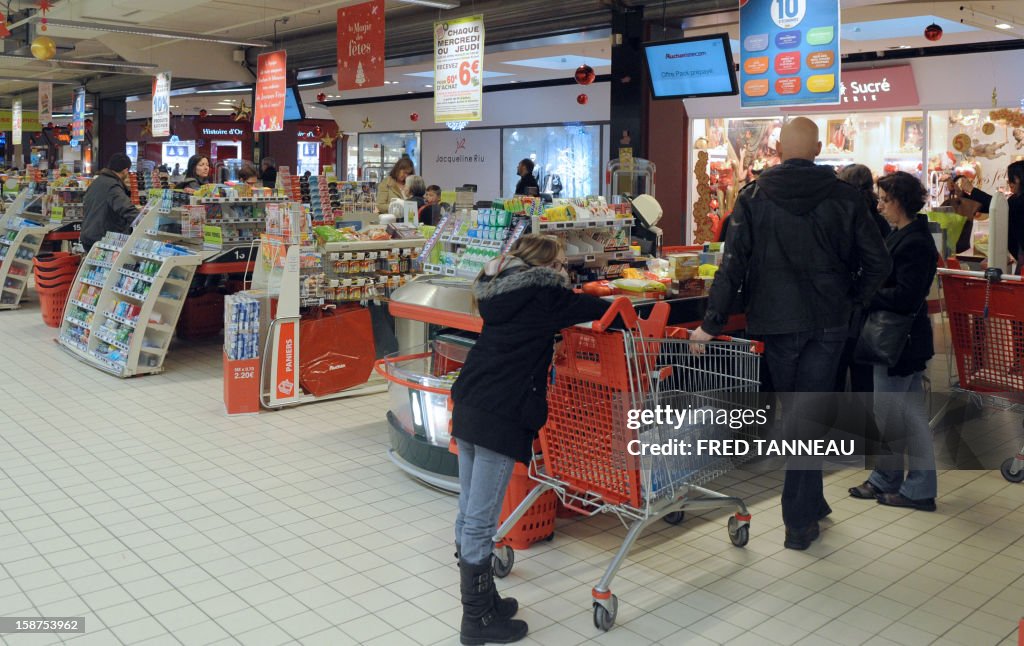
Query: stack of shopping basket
point(54, 273)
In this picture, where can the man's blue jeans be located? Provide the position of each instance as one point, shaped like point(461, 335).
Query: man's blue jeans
point(800, 363)
point(483, 478)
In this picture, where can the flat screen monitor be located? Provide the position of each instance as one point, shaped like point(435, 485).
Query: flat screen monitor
point(293, 108)
point(691, 67)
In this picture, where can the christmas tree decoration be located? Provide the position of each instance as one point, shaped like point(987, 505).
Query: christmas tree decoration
point(415, 116)
point(367, 124)
point(933, 32)
point(321, 97)
point(44, 48)
point(360, 76)
point(242, 111)
point(585, 74)
point(582, 99)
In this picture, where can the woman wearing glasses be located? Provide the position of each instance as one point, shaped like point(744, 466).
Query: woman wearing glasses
point(500, 401)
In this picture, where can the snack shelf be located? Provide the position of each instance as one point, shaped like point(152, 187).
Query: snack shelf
point(20, 250)
point(372, 245)
point(539, 225)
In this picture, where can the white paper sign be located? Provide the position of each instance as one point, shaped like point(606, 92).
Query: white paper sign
point(45, 103)
point(459, 70)
point(162, 104)
point(16, 132)
point(451, 159)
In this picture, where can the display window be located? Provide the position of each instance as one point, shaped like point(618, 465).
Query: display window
point(567, 158)
point(379, 152)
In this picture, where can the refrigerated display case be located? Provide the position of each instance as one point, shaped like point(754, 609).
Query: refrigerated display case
point(378, 152)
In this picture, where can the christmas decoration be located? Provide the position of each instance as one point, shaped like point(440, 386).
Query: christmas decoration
point(1010, 117)
point(585, 74)
point(360, 76)
point(933, 32)
point(321, 97)
point(328, 140)
point(242, 111)
point(988, 128)
point(202, 114)
point(148, 128)
point(43, 48)
point(367, 124)
point(44, 6)
point(582, 99)
point(318, 131)
point(703, 229)
point(4, 31)
point(415, 116)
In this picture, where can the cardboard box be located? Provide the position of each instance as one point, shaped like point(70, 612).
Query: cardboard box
point(684, 266)
point(241, 386)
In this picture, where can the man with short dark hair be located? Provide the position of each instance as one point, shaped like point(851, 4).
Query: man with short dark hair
point(107, 203)
point(526, 178)
point(805, 251)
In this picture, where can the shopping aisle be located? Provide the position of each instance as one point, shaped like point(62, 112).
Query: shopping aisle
point(138, 505)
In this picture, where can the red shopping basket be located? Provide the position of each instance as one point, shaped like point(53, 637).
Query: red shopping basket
point(538, 523)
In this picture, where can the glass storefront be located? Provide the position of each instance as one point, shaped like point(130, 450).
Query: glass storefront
point(567, 158)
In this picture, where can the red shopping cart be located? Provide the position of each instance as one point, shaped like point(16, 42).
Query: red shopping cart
point(986, 322)
point(600, 376)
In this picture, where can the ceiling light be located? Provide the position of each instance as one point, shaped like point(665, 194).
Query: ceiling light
point(236, 90)
point(428, 85)
point(1003, 25)
point(70, 61)
point(437, 4)
point(985, 20)
point(146, 31)
point(35, 80)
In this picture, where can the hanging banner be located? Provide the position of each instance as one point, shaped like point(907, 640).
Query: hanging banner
point(162, 104)
point(78, 116)
point(789, 52)
point(271, 87)
point(16, 133)
point(45, 102)
point(459, 70)
point(361, 46)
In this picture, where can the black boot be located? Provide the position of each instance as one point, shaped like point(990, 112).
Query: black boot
point(506, 608)
point(480, 621)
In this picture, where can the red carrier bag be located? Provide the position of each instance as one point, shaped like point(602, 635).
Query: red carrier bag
point(336, 351)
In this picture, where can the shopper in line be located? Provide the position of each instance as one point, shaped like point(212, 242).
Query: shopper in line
point(1015, 224)
point(804, 250)
point(500, 404)
point(268, 173)
point(899, 392)
point(393, 186)
point(197, 174)
point(415, 190)
point(249, 176)
point(526, 177)
point(107, 204)
point(432, 194)
point(860, 177)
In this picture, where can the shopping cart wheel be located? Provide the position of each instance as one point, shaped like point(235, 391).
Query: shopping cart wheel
point(604, 618)
point(1011, 477)
point(502, 565)
point(738, 534)
point(675, 517)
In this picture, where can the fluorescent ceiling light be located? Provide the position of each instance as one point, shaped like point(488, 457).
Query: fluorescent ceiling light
point(981, 19)
point(1003, 25)
point(146, 31)
point(236, 90)
point(71, 61)
point(437, 4)
point(568, 62)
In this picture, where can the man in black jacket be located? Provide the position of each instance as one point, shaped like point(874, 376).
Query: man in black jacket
point(805, 252)
point(107, 202)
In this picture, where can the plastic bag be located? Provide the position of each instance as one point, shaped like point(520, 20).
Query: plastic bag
point(337, 350)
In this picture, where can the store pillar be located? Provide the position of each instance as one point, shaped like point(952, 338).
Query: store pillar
point(628, 89)
point(111, 121)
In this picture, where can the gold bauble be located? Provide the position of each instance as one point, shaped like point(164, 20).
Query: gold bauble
point(988, 128)
point(44, 48)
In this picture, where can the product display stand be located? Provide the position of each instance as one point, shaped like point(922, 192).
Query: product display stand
point(127, 297)
point(21, 235)
point(240, 220)
point(64, 208)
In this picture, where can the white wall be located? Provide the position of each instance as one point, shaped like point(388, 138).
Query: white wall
point(452, 159)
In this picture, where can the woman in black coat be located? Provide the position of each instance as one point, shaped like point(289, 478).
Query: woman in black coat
point(197, 174)
point(1015, 224)
point(899, 391)
point(500, 404)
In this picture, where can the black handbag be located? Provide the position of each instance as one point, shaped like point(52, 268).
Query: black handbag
point(883, 338)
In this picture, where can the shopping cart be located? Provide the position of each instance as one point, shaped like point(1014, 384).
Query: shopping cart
point(986, 322)
point(590, 439)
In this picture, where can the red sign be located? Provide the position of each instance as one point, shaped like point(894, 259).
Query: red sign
point(271, 86)
point(361, 46)
point(882, 88)
point(286, 360)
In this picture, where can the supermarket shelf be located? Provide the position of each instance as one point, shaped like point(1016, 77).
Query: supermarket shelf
point(242, 200)
point(119, 319)
point(583, 224)
point(373, 245)
point(218, 221)
point(108, 247)
point(86, 281)
point(111, 341)
point(80, 323)
point(100, 263)
point(162, 328)
point(81, 347)
point(599, 257)
point(88, 308)
point(149, 256)
point(124, 292)
point(133, 274)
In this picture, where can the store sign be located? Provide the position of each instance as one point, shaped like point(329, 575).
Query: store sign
point(16, 132)
point(45, 94)
point(271, 87)
point(162, 104)
point(221, 132)
point(361, 46)
point(78, 116)
point(29, 122)
point(789, 53)
point(882, 88)
point(465, 157)
point(459, 70)
point(286, 376)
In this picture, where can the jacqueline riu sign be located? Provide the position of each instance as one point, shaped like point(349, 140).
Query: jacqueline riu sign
point(459, 69)
point(361, 46)
point(789, 52)
point(271, 86)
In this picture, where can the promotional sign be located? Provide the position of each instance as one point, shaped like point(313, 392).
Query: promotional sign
point(16, 133)
point(361, 46)
point(464, 157)
point(459, 70)
point(78, 116)
point(213, 237)
point(45, 102)
point(29, 122)
point(789, 52)
point(878, 88)
point(285, 375)
point(162, 104)
point(271, 86)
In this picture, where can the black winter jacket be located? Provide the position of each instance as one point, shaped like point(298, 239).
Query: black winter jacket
point(500, 397)
point(1015, 220)
point(914, 261)
point(804, 250)
point(107, 206)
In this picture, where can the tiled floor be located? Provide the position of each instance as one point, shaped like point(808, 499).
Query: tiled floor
point(138, 505)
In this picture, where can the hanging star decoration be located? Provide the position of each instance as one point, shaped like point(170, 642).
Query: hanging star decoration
point(44, 6)
point(367, 124)
point(328, 140)
point(148, 128)
point(242, 111)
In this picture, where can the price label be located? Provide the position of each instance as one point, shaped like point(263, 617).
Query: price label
point(56, 214)
point(213, 237)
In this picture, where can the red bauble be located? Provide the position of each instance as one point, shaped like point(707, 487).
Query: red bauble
point(318, 131)
point(202, 114)
point(321, 97)
point(933, 32)
point(582, 99)
point(585, 74)
point(714, 203)
point(415, 116)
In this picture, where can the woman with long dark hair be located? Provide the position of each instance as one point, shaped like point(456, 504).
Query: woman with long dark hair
point(197, 173)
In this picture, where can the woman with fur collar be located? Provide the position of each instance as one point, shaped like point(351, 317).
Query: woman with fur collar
point(500, 404)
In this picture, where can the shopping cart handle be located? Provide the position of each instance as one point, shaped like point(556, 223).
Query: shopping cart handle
point(686, 333)
point(993, 275)
point(621, 306)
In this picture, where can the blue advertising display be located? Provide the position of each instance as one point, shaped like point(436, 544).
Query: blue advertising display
point(78, 116)
point(691, 67)
point(789, 52)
